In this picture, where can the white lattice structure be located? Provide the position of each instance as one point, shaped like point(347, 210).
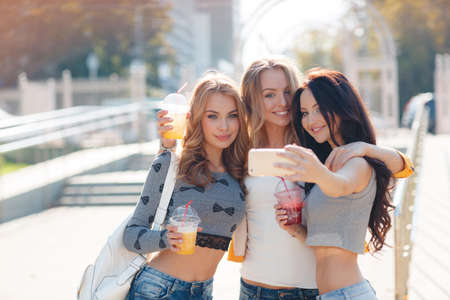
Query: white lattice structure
point(375, 76)
point(442, 92)
point(380, 92)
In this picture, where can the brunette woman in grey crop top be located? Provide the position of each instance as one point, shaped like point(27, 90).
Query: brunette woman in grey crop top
point(210, 173)
point(340, 205)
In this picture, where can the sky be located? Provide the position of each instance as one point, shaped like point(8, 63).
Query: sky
point(280, 28)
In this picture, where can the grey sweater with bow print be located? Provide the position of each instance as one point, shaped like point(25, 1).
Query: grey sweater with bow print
point(220, 206)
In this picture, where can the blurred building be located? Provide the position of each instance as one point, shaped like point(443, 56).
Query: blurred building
point(202, 38)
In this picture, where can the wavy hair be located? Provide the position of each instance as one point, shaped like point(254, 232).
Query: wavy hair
point(336, 96)
point(252, 95)
point(193, 164)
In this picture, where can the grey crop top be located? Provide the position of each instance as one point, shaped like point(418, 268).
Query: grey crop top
point(339, 222)
point(220, 206)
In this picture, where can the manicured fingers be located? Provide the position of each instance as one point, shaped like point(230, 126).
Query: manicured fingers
point(280, 214)
point(163, 121)
point(165, 128)
point(175, 239)
point(161, 113)
point(281, 219)
point(171, 228)
point(302, 152)
point(292, 156)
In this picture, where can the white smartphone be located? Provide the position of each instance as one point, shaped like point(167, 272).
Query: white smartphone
point(260, 162)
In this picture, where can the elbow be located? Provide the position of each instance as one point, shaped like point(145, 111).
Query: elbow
point(126, 240)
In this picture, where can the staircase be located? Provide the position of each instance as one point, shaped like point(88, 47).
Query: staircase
point(112, 188)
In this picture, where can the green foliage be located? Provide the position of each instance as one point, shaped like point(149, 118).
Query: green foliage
point(317, 48)
point(43, 37)
point(8, 167)
point(421, 29)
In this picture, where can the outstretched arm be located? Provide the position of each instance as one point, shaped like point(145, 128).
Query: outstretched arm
point(305, 166)
point(399, 164)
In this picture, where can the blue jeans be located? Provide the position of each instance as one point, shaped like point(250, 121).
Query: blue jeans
point(253, 292)
point(151, 284)
point(359, 291)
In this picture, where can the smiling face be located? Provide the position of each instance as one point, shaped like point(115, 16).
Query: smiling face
point(313, 121)
point(220, 122)
point(276, 95)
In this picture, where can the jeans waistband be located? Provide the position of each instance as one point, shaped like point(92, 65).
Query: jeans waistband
point(178, 282)
point(349, 292)
point(277, 293)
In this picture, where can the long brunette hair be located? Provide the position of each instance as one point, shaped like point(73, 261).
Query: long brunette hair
point(336, 96)
point(193, 166)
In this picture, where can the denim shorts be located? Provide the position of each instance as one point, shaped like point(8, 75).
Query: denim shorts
point(151, 284)
point(359, 291)
point(253, 292)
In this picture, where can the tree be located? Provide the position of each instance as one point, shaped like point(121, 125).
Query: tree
point(319, 49)
point(421, 29)
point(42, 37)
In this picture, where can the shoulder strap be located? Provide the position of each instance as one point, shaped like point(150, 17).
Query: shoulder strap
point(169, 184)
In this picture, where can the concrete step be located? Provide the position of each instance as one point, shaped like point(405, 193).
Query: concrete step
point(140, 162)
point(112, 188)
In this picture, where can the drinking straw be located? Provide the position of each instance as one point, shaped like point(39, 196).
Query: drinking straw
point(185, 210)
point(182, 87)
point(284, 182)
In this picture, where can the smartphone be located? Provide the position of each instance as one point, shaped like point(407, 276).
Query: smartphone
point(260, 162)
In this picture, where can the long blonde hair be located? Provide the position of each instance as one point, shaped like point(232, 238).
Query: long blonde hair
point(251, 93)
point(193, 166)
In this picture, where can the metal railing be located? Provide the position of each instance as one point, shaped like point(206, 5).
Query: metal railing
point(47, 128)
point(404, 200)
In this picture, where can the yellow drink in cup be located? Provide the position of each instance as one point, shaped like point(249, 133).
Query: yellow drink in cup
point(188, 245)
point(186, 221)
point(178, 124)
point(177, 107)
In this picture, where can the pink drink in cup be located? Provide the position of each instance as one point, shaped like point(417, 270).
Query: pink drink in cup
point(290, 199)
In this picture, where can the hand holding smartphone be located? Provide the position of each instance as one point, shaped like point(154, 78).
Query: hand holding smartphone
point(261, 162)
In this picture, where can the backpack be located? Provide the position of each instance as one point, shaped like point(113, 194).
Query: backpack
point(110, 277)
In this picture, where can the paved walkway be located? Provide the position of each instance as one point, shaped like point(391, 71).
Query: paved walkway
point(430, 266)
point(43, 255)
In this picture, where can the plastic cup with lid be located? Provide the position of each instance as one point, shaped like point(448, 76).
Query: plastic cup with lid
point(177, 108)
point(186, 220)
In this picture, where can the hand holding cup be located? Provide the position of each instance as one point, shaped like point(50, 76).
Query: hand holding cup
point(175, 238)
point(295, 230)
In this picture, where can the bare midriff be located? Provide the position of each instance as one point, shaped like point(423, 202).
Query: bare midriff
point(199, 266)
point(336, 268)
point(266, 286)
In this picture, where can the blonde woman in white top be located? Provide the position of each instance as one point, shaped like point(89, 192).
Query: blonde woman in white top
point(275, 265)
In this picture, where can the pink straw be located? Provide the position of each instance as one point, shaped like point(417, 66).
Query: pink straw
point(285, 186)
point(182, 87)
point(185, 210)
point(284, 182)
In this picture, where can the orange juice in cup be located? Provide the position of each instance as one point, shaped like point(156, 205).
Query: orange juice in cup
point(186, 221)
point(178, 124)
point(177, 108)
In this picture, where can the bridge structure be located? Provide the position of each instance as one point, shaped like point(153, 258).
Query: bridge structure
point(65, 207)
point(58, 212)
point(373, 72)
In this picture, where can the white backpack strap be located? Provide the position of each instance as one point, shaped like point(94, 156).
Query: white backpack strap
point(133, 267)
point(166, 194)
